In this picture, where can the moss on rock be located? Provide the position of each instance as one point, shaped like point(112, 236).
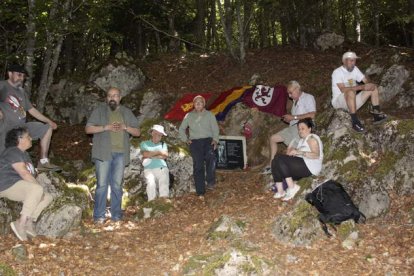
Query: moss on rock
point(345, 228)
point(6, 270)
point(76, 195)
point(386, 164)
point(405, 126)
point(301, 213)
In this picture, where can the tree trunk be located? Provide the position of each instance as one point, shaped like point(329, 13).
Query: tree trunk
point(228, 34)
point(30, 45)
point(158, 42)
point(240, 22)
point(174, 44)
point(411, 24)
point(376, 23)
point(200, 24)
point(357, 21)
point(53, 49)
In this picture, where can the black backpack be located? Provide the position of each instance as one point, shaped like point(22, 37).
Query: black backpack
point(334, 205)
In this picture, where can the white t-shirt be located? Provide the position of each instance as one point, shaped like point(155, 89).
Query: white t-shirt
point(314, 165)
point(305, 104)
point(349, 79)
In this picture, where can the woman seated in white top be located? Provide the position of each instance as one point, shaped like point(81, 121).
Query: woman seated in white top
point(301, 161)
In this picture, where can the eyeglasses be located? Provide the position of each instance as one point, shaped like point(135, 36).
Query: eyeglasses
point(26, 136)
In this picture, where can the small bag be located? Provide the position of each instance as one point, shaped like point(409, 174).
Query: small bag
point(334, 205)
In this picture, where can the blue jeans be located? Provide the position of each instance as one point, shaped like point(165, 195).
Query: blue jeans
point(204, 164)
point(109, 172)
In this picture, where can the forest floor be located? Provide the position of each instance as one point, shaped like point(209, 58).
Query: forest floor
point(157, 246)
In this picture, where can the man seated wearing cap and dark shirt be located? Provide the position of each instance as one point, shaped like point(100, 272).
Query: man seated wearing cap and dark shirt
point(351, 89)
point(17, 103)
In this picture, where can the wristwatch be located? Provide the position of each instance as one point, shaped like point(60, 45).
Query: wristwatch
point(295, 117)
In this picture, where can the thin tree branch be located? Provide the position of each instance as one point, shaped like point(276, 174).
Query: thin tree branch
point(165, 33)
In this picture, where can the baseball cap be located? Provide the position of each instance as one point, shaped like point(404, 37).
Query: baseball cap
point(17, 68)
point(351, 55)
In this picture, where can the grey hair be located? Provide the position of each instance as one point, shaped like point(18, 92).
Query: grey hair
point(293, 83)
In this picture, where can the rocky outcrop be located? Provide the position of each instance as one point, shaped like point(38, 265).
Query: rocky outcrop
point(329, 40)
point(179, 162)
point(392, 82)
point(73, 102)
point(61, 216)
point(369, 166)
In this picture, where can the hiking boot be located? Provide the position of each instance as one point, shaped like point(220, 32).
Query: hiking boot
point(358, 127)
point(48, 167)
point(379, 118)
point(100, 221)
point(266, 170)
point(210, 187)
point(279, 195)
point(18, 231)
point(375, 111)
point(29, 227)
point(291, 192)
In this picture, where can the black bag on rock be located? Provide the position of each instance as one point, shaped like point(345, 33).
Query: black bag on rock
point(334, 205)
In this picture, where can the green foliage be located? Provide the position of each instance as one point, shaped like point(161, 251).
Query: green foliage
point(301, 213)
point(387, 163)
point(6, 270)
point(404, 127)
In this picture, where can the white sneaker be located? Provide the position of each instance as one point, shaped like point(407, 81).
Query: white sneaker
point(291, 192)
point(279, 195)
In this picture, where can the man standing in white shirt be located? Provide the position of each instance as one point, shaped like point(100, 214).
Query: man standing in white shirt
point(351, 89)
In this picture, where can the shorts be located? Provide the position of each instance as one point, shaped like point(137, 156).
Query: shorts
point(289, 134)
point(37, 129)
point(340, 103)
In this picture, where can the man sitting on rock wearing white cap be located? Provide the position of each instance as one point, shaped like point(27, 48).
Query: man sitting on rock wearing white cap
point(154, 152)
point(351, 89)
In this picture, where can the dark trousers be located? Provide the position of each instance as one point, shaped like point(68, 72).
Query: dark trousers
point(284, 166)
point(204, 164)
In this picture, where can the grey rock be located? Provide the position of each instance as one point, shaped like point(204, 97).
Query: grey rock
point(299, 226)
point(406, 99)
point(179, 162)
point(19, 252)
point(226, 227)
point(329, 40)
point(392, 82)
point(57, 223)
point(125, 78)
point(374, 204)
point(351, 241)
point(151, 106)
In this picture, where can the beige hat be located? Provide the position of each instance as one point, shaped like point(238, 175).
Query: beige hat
point(199, 97)
point(159, 129)
point(351, 55)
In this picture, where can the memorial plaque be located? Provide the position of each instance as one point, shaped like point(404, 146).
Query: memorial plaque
point(231, 153)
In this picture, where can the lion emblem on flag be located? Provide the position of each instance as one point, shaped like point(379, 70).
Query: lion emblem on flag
point(262, 95)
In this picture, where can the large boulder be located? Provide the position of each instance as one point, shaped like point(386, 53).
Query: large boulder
point(392, 82)
point(60, 221)
point(298, 226)
point(126, 78)
point(329, 40)
point(70, 201)
point(73, 102)
point(258, 141)
point(179, 162)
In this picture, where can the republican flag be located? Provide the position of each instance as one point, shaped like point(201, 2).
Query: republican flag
point(226, 100)
point(267, 99)
point(183, 106)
